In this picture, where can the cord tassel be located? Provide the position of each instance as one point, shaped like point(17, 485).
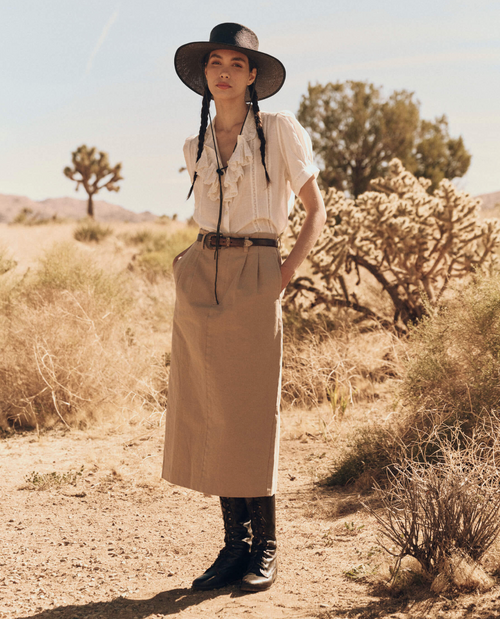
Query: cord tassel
point(220, 172)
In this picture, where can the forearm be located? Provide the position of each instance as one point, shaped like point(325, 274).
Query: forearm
point(311, 229)
point(309, 233)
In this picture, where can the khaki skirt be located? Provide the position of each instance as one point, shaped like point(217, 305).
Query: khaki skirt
point(222, 422)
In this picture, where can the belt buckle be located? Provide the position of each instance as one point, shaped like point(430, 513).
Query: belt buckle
point(224, 241)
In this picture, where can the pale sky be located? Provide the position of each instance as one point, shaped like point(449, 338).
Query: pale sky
point(100, 72)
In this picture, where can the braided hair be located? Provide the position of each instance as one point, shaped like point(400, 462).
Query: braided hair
point(205, 107)
point(258, 126)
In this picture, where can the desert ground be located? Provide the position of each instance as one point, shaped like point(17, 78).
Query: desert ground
point(89, 530)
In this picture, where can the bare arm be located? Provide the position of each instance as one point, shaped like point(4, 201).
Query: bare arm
point(312, 200)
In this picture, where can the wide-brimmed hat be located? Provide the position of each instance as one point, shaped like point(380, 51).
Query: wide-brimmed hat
point(189, 59)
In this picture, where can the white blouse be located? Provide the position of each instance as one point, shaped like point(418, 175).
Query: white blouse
point(250, 204)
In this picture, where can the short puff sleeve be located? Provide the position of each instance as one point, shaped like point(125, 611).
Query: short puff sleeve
point(296, 150)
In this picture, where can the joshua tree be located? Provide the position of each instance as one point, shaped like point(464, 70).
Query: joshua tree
point(92, 170)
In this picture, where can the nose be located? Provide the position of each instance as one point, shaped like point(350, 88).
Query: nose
point(224, 72)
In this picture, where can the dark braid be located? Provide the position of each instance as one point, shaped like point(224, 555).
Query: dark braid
point(205, 107)
point(260, 130)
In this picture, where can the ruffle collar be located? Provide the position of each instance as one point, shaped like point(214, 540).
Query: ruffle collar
point(242, 156)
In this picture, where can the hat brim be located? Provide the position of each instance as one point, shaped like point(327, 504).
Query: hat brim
point(189, 58)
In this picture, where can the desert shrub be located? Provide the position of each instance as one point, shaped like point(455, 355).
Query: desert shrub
point(44, 481)
point(65, 269)
point(374, 449)
point(158, 249)
point(149, 240)
point(26, 217)
point(90, 231)
point(448, 508)
point(451, 380)
point(6, 262)
point(404, 244)
point(67, 351)
point(370, 451)
point(163, 220)
point(454, 356)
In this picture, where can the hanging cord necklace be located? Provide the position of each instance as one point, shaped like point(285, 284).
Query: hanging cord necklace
point(220, 172)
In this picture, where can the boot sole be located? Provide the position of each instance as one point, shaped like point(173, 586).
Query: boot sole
point(211, 587)
point(254, 589)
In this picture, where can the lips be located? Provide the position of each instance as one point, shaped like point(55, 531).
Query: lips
point(223, 86)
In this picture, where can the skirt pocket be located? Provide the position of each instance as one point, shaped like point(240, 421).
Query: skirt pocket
point(184, 270)
point(180, 265)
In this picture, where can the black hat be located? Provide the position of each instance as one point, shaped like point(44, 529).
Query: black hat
point(189, 59)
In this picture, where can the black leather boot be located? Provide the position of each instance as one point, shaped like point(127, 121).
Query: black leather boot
point(233, 559)
point(263, 567)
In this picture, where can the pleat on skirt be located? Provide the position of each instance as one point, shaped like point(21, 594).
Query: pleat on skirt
point(222, 421)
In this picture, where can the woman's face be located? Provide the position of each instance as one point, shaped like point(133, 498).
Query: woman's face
point(228, 74)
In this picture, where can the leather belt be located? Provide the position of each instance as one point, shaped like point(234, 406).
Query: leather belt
point(232, 241)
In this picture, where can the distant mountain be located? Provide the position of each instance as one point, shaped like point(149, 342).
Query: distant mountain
point(67, 208)
point(490, 200)
point(72, 208)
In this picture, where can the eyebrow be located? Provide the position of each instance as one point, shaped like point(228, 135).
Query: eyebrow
point(241, 59)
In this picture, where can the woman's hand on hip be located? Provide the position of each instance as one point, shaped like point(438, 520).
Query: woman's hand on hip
point(314, 221)
point(286, 275)
point(179, 256)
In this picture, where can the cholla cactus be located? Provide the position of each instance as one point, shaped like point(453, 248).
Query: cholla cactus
point(406, 241)
point(94, 173)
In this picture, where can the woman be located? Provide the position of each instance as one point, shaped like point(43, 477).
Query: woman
point(222, 426)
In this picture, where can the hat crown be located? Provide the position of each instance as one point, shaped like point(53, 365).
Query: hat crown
point(235, 35)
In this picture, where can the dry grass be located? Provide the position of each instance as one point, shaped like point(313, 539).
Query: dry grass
point(86, 329)
point(339, 366)
point(65, 349)
point(79, 343)
point(158, 248)
point(6, 262)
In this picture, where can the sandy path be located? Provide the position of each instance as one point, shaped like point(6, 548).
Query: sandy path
point(122, 544)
